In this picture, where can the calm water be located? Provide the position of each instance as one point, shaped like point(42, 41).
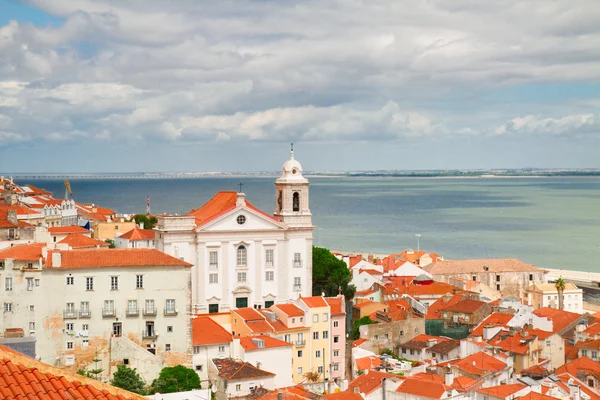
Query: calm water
point(550, 222)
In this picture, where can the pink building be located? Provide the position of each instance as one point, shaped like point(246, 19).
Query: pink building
point(337, 306)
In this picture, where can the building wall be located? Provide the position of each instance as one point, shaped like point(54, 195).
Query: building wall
point(338, 350)
point(109, 230)
point(277, 360)
point(203, 354)
point(572, 299)
point(510, 283)
point(320, 345)
point(133, 244)
point(389, 335)
point(553, 350)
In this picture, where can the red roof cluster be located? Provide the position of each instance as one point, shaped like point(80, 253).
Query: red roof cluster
point(58, 230)
point(250, 343)
point(97, 258)
point(494, 319)
point(138, 234)
point(219, 205)
point(205, 331)
point(78, 241)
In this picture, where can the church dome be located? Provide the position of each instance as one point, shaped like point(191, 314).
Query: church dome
point(292, 166)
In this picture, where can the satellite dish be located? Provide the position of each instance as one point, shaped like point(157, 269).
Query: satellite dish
point(213, 388)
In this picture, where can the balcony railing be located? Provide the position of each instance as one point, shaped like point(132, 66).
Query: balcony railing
point(108, 312)
point(300, 343)
point(150, 311)
point(70, 314)
point(131, 312)
point(297, 263)
point(213, 266)
point(170, 311)
point(85, 314)
point(149, 335)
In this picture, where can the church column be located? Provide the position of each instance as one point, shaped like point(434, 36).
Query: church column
point(309, 266)
point(201, 276)
point(225, 285)
point(281, 271)
point(258, 272)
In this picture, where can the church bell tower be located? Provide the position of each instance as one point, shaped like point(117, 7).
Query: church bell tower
point(291, 193)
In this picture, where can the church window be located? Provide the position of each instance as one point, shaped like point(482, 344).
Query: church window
point(241, 277)
point(296, 201)
point(213, 259)
point(241, 219)
point(269, 276)
point(269, 257)
point(242, 256)
point(297, 260)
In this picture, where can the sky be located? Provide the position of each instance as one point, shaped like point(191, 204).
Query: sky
point(187, 85)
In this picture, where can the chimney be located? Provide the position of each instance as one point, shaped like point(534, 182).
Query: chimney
point(56, 259)
point(355, 390)
point(279, 396)
point(449, 378)
point(11, 216)
point(240, 200)
point(431, 342)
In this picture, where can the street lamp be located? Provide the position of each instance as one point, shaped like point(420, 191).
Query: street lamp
point(418, 235)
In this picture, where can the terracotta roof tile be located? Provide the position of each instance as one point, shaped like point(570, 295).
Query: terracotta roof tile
point(78, 241)
point(368, 362)
point(369, 382)
point(219, 205)
point(415, 387)
point(580, 364)
point(26, 252)
point(564, 381)
point(57, 230)
point(450, 267)
point(206, 331)
point(249, 343)
point(138, 234)
point(494, 319)
point(314, 301)
point(466, 306)
point(249, 314)
point(561, 319)
point(98, 258)
point(335, 305)
point(232, 370)
point(478, 364)
point(502, 391)
point(23, 378)
point(536, 396)
point(343, 396)
point(358, 342)
point(291, 310)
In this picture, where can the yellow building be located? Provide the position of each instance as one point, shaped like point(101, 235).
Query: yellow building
point(110, 229)
point(317, 314)
point(291, 326)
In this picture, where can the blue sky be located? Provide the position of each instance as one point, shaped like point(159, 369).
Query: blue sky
point(105, 86)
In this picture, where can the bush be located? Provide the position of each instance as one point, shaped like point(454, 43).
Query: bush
point(128, 379)
point(176, 379)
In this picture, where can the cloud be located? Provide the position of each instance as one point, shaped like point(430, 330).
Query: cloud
point(567, 125)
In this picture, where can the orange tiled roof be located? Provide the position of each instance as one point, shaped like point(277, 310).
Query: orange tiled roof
point(465, 384)
point(343, 396)
point(290, 310)
point(536, 396)
point(435, 309)
point(593, 329)
point(365, 303)
point(561, 319)
point(581, 364)
point(24, 378)
point(57, 230)
point(588, 344)
point(335, 305)
point(220, 204)
point(205, 331)
point(370, 271)
point(466, 306)
point(249, 344)
point(519, 343)
point(97, 258)
point(138, 234)
point(358, 342)
point(259, 326)
point(502, 391)
point(478, 364)
point(451, 267)
point(249, 314)
point(21, 210)
point(232, 370)
point(369, 382)
point(432, 390)
point(564, 381)
point(494, 319)
point(368, 362)
point(77, 241)
point(26, 252)
point(314, 301)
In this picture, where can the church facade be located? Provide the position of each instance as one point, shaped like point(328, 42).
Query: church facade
point(242, 256)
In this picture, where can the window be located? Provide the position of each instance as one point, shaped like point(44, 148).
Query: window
point(213, 259)
point(269, 253)
point(300, 338)
point(8, 284)
point(29, 265)
point(221, 349)
point(594, 355)
point(31, 307)
point(132, 308)
point(241, 277)
point(167, 347)
point(139, 281)
point(69, 345)
point(114, 283)
point(297, 260)
point(70, 308)
point(316, 335)
point(85, 327)
point(320, 369)
point(299, 353)
point(269, 276)
point(213, 278)
point(89, 283)
point(474, 277)
point(170, 306)
point(287, 338)
point(318, 354)
point(296, 201)
point(497, 278)
point(199, 368)
point(297, 283)
point(84, 308)
point(403, 350)
point(242, 256)
point(213, 308)
point(498, 287)
point(196, 349)
point(70, 280)
point(150, 309)
point(315, 317)
point(85, 343)
point(584, 353)
point(412, 352)
point(530, 277)
point(29, 284)
point(69, 326)
point(299, 370)
point(37, 282)
point(336, 339)
point(335, 324)
point(109, 306)
point(32, 326)
point(241, 219)
point(238, 387)
point(416, 330)
point(325, 334)
point(336, 353)
point(269, 303)
point(325, 317)
point(336, 367)
point(591, 383)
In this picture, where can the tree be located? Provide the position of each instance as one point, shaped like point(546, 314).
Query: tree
point(330, 275)
point(176, 379)
point(358, 323)
point(148, 222)
point(312, 376)
point(128, 379)
point(560, 286)
point(94, 372)
point(111, 243)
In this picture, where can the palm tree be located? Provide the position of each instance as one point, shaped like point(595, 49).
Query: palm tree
point(560, 286)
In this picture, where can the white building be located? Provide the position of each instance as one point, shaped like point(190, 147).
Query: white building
point(540, 295)
point(210, 340)
point(116, 305)
point(137, 238)
point(269, 354)
point(244, 257)
point(231, 378)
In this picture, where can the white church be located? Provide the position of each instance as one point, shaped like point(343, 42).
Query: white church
point(242, 256)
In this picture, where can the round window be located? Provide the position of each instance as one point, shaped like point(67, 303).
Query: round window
point(294, 171)
point(241, 219)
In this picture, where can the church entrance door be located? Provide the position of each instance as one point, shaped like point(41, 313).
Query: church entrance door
point(241, 302)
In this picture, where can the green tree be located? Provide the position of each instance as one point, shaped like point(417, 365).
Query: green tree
point(330, 274)
point(560, 286)
point(128, 379)
point(358, 323)
point(94, 372)
point(176, 379)
point(111, 243)
point(148, 222)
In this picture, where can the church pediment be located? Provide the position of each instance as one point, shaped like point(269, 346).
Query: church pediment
point(243, 218)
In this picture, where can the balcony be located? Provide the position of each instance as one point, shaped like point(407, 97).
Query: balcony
point(70, 314)
point(132, 312)
point(85, 314)
point(170, 312)
point(149, 335)
point(108, 312)
point(297, 288)
point(297, 263)
point(269, 264)
point(300, 343)
point(150, 311)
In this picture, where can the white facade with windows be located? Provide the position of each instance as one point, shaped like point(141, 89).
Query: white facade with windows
point(542, 295)
point(242, 256)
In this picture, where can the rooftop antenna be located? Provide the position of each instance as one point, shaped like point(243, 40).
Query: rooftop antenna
point(147, 206)
point(240, 185)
